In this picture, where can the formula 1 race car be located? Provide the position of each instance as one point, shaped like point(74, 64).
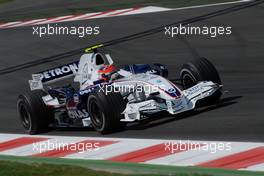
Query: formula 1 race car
point(108, 98)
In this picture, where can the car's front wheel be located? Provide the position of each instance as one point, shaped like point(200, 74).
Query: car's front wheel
point(201, 70)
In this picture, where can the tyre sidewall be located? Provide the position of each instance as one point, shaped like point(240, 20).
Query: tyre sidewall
point(40, 115)
point(112, 105)
point(22, 101)
point(93, 99)
point(191, 71)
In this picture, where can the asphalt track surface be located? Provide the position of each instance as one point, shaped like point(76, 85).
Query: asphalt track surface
point(239, 58)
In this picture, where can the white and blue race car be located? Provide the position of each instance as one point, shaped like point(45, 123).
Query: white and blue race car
point(108, 98)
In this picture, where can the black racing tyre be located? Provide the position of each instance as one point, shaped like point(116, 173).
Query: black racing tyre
point(34, 114)
point(105, 111)
point(200, 70)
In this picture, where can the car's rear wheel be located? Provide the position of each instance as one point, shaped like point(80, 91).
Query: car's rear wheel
point(200, 70)
point(34, 114)
point(105, 111)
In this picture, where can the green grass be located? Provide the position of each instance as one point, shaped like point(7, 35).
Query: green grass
point(30, 166)
point(95, 6)
point(39, 169)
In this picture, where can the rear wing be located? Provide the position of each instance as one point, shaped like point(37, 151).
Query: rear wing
point(53, 75)
point(69, 70)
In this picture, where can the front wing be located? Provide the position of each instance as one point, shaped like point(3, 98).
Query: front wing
point(188, 100)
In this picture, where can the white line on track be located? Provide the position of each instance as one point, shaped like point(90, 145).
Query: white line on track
point(211, 5)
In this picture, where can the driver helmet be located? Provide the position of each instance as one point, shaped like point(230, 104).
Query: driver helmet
point(106, 71)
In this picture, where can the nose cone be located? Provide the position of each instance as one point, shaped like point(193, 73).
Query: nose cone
point(165, 86)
